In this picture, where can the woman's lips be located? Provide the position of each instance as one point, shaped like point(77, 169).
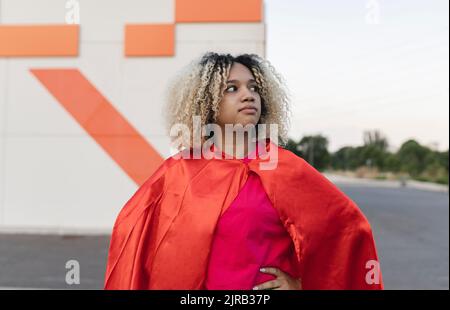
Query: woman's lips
point(248, 111)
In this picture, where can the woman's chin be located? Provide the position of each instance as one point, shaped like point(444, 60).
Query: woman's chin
point(248, 122)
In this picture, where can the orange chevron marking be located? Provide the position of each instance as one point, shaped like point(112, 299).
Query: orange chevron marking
point(101, 121)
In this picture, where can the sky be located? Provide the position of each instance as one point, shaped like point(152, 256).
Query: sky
point(357, 65)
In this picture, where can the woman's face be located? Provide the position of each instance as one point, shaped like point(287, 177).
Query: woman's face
point(241, 102)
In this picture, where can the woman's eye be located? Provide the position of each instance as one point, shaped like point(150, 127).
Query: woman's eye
point(230, 89)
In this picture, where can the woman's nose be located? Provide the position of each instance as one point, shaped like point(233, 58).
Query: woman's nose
point(248, 96)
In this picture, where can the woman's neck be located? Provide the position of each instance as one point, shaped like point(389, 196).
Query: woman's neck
point(236, 144)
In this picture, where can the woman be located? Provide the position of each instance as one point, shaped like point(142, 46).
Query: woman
point(228, 213)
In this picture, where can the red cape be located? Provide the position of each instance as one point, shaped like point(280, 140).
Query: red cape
point(162, 236)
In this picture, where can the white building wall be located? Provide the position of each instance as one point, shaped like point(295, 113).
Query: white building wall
point(53, 176)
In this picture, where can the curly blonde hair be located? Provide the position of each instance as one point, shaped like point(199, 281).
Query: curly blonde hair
point(198, 90)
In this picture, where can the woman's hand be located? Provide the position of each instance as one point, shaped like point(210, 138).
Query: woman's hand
point(282, 282)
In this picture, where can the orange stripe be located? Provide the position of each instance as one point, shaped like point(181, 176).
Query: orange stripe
point(191, 11)
point(101, 121)
point(150, 40)
point(30, 40)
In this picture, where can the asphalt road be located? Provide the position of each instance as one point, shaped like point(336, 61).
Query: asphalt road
point(411, 229)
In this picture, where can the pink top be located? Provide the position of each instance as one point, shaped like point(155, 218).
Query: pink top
point(248, 236)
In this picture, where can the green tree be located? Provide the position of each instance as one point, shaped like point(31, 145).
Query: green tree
point(342, 158)
point(291, 145)
point(376, 139)
point(374, 151)
point(412, 157)
point(391, 162)
point(314, 149)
